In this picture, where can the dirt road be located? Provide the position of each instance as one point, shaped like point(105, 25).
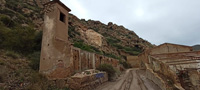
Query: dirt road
point(132, 79)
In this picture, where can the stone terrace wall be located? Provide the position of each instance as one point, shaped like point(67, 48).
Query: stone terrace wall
point(151, 75)
point(83, 60)
point(163, 69)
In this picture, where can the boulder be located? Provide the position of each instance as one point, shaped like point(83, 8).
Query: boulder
point(94, 37)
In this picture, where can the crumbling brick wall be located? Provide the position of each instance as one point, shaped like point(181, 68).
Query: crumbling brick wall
point(83, 60)
point(76, 60)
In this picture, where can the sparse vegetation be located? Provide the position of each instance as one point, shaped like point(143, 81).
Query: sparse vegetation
point(7, 21)
point(34, 60)
point(112, 40)
point(72, 33)
point(125, 64)
point(107, 68)
point(23, 40)
point(117, 46)
point(86, 47)
point(12, 54)
point(112, 56)
point(132, 50)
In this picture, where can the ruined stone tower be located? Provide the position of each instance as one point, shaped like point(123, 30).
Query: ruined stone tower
point(55, 57)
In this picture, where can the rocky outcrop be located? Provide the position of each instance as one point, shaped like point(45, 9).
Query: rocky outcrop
point(26, 11)
point(110, 38)
point(40, 2)
point(93, 37)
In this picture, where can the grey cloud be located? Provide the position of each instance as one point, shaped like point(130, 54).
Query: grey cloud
point(158, 21)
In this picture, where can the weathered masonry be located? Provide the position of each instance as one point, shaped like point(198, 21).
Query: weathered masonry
point(59, 59)
point(172, 66)
point(56, 52)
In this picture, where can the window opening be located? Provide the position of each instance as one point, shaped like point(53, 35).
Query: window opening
point(62, 17)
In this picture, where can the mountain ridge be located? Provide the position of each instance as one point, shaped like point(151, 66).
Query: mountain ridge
point(196, 47)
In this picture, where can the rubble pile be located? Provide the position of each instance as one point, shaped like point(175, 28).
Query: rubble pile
point(87, 80)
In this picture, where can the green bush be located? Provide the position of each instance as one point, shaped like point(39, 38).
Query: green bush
point(83, 46)
point(23, 40)
point(107, 68)
point(112, 56)
point(7, 21)
point(117, 46)
point(112, 40)
point(132, 50)
point(7, 12)
point(20, 40)
point(86, 47)
point(35, 60)
point(12, 4)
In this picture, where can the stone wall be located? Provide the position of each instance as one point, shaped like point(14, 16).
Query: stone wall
point(133, 61)
point(157, 79)
point(170, 48)
point(83, 60)
point(161, 49)
point(163, 69)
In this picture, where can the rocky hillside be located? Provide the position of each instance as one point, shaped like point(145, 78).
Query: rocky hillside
point(20, 43)
point(21, 73)
point(110, 40)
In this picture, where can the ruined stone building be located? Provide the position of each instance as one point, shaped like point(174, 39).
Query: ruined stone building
point(172, 66)
point(59, 59)
point(56, 52)
point(163, 48)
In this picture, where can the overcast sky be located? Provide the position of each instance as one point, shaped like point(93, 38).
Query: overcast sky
point(158, 21)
